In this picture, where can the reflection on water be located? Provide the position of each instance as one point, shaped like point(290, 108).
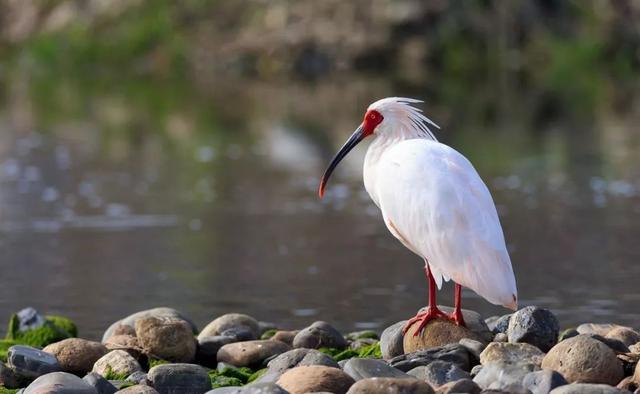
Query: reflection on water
point(116, 199)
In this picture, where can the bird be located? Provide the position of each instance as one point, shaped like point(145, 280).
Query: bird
point(434, 202)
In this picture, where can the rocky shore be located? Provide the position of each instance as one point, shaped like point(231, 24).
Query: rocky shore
point(162, 351)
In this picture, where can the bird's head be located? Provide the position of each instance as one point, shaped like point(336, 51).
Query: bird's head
point(388, 117)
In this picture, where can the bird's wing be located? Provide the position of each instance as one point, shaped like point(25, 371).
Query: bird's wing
point(434, 201)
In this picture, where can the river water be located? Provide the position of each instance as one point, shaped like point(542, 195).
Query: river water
point(116, 199)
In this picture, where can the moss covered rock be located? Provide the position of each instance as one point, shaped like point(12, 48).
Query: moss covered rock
point(53, 329)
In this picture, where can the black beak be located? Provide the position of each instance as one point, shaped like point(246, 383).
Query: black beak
point(355, 138)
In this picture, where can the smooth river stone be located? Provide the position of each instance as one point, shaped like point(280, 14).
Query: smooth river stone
point(250, 353)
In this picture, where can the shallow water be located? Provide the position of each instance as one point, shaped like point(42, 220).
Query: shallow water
point(109, 205)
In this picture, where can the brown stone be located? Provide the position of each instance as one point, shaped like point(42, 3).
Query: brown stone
point(250, 353)
point(167, 338)
point(231, 321)
point(123, 329)
point(138, 389)
point(285, 336)
point(459, 386)
point(390, 386)
point(117, 362)
point(626, 335)
point(586, 360)
point(438, 332)
point(77, 355)
point(315, 378)
point(511, 353)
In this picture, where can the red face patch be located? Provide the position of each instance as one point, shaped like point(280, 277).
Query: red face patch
point(371, 120)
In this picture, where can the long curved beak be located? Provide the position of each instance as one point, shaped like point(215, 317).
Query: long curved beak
point(355, 138)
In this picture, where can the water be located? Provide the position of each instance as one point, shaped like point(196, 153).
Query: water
point(119, 199)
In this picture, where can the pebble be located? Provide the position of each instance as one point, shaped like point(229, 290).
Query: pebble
point(513, 353)
point(614, 344)
point(390, 386)
point(116, 362)
point(439, 372)
point(155, 312)
point(626, 335)
point(498, 324)
point(59, 383)
point(139, 389)
point(543, 381)
point(207, 349)
point(584, 359)
point(76, 355)
point(285, 336)
point(501, 337)
point(568, 333)
point(250, 353)
point(363, 368)
point(319, 334)
point(586, 388)
point(167, 338)
point(533, 325)
point(295, 358)
point(473, 321)
point(391, 340)
point(505, 377)
point(179, 378)
point(30, 362)
point(315, 378)
point(137, 377)
point(10, 379)
point(473, 347)
point(100, 384)
point(459, 386)
point(436, 333)
point(232, 323)
point(258, 388)
point(596, 328)
point(454, 353)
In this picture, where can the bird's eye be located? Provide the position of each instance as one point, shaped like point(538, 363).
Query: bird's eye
point(372, 116)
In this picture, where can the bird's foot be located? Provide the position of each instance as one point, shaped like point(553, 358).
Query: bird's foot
point(424, 318)
point(457, 318)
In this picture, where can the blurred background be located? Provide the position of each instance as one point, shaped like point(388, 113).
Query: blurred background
point(168, 153)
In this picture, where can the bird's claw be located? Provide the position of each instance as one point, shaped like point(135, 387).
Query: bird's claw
point(430, 314)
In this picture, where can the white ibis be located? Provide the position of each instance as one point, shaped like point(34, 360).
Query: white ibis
point(434, 202)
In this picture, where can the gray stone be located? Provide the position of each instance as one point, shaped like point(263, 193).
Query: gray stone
point(506, 377)
point(59, 383)
point(615, 344)
point(29, 318)
point(459, 386)
point(543, 381)
point(179, 379)
point(102, 385)
point(596, 328)
point(155, 312)
point(439, 372)
point(364, 368)
point(139, 389)
point(295, 358)
point(390, 386)
point(454, 353)
point(364, 334)
point(474, 347)
point(498, 324)
point(116, 362)
point(241, 333)
point(319, 334)
point(476, 370)
point(626, 335)
point(501, 337)
point(31, 362)
point(258, 388)
point(586, 388)
point(251, 353)
point(391, 340)
point(234, 324)
point(139, 377)
point(536, 326)
point(514, 353)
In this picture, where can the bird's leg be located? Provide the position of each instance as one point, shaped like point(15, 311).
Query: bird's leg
point(432, 311)
point(456, 316)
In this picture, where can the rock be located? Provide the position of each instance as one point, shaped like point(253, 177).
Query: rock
point(543, 381)
point(59, 383)
point(250, 353)
point(501, 337)
point(258, 388)
point(505, 377)
point(100, 384)
point(536, 326)
point(137, 377)
point(437, 332)
point(128, 343)
point(614, 344)
point(625, 335)
point(295, 358)
point(31, 362)
point(166, 338)
point(117, 364)
point(285, 336)
point(473, 321)
point(459, 386)
point(139, 389)
point(584, 359)
point(360, 343)
point(390, 386)
point(27, 327)
point(76, 355)
point(568, 333)
point(585, 388)
point(155, 312)
point(594, 328)
point(391, 340)
point(29, 319)
point(265, 326)
point(474, 347)
point(513, 353)
point(476, 370)
point(207, 351)
point(10, 379)
point(364, 334)
point(439, 372)
point(319, 334)
point(627, 384)
point(636, 374)
point(123, 329)
point(315, 378)
point(179, 378)
point(454, 353)
point(364, 368)
point(232, 323)
point(498, 324)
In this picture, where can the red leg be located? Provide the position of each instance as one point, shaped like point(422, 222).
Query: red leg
point(432, 311)
point(456, 316)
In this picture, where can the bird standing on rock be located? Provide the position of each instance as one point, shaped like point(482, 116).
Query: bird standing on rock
point(434, 202)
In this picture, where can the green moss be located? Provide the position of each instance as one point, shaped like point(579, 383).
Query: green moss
point(4, 390)
point(268, 334)
point(232, 376)
point(110, 374)
point(367, 351)
point(243, 374)
point(368, 334)
point(256, 375)
point(370, 351)
point(156, 361)
point(64, 324)
point(5, 344)
point(54, 329)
